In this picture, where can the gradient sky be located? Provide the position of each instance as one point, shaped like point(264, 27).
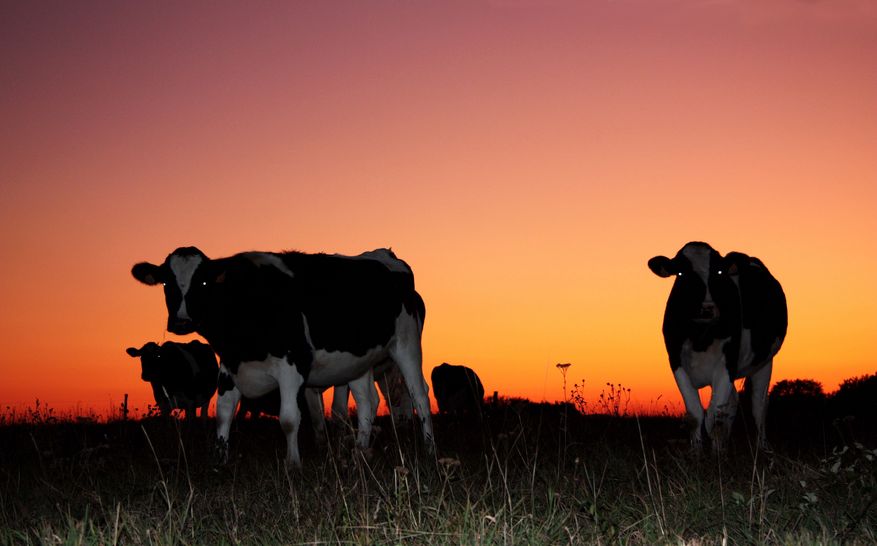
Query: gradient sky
point(526, 158)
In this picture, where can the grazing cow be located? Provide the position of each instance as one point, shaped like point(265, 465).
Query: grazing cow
point(292, 319)
point(182, 375)
point(726, 319)
point(457, 389)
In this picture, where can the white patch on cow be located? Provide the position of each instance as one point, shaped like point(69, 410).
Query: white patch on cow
point(406, 352)
point(701, 369)
point(745, 364)
point(258, 377)
point(704, 367)
point(340, 367)
point(331, 368)
point(692, 403)
point(183, 268)
point(366, 397)
point(699, 257)
point(226, 403)
point(266, 259)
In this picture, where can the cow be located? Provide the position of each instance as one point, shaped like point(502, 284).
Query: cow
point(457, 389)
point(292, 319)
point(726, 319)
point(182, 375)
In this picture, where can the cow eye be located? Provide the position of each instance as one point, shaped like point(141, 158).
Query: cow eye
point(679, 274)
point(719, 272)
point(203, 283)
point(164, 284)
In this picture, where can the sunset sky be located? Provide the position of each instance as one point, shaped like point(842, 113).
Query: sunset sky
point(525, 158)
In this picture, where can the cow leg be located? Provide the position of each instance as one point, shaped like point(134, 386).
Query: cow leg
point(314, 399)
point(721, 411)
point(366, 397)
point(226, 403)
point(409, 359)
point(692, 405)
point(190, 413)
point(289, 381)
point(340, 397)
point(400, 406)
point(760, 381)
point(161, 400)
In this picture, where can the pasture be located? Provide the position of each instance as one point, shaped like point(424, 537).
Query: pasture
point(524, 473)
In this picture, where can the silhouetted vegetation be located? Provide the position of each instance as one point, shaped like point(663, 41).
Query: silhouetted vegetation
point(535, 473)
point(856, 396)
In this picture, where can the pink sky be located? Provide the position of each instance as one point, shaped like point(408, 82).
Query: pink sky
point(526, 158)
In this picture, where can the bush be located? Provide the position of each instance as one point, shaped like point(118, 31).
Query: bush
point(856, 397)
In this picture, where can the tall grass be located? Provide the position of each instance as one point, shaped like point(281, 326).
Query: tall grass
point(509, 476)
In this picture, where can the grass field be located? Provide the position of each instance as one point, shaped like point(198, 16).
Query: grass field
point(521, 474)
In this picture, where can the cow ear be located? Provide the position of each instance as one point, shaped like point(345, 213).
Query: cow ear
point(132, 351)
point(147, 273)
point(662, 266)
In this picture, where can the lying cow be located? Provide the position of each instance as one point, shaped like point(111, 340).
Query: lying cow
point(291, 319)
point(182, 375)
point(726, 319)
point(457, 389)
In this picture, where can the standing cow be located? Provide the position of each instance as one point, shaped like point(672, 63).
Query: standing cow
point(182, 375)
point(457, 389)
point(726, 319)
point(293, 319)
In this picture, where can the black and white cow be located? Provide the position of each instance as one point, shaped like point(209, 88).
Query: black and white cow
point(182, 375)
point(457, 389)
point(292, 319)
point(726, 319)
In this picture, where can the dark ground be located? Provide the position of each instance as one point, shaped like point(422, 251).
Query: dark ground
point(588, 477)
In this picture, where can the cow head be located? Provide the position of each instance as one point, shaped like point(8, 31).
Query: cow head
point(703, 285)
point(150, 361)
point(183, 277)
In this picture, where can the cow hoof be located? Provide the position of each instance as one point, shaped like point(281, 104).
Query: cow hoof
point(220, 452)
point(367, 453)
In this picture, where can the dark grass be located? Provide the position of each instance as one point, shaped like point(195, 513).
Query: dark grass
point(520, 474)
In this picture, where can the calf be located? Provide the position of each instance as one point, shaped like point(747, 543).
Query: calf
point(725, 319)
point(182, 375)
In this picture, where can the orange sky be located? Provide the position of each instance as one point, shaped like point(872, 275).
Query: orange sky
point(526, 158)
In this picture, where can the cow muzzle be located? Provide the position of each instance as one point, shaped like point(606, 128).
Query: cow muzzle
point(180, 326)
point(708, 313)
